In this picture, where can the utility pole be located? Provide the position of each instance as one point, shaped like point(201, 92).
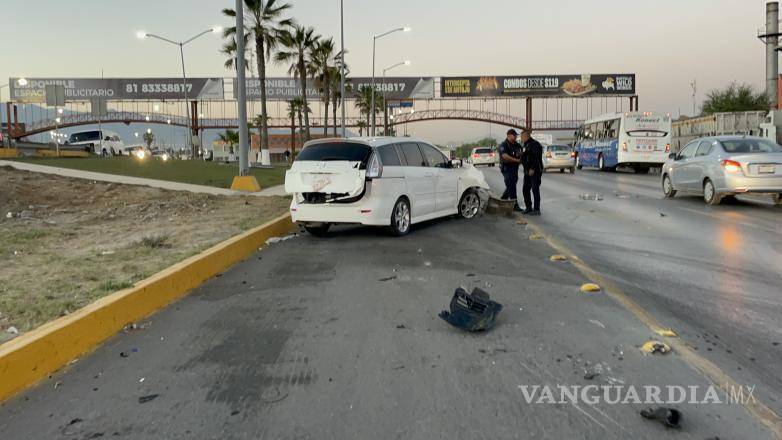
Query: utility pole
point(342, 62)
point(242, 86)
point(694, 86)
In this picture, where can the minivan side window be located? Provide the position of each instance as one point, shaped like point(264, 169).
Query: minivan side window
point(388, 156)
point(433, 156)
point(412, 155)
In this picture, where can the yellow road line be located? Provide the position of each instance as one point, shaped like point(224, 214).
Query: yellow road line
point(757, 409)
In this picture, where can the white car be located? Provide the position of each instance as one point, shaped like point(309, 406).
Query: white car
point(384, 181)
point(484, 156)
point(102, 143)
point(560, 157)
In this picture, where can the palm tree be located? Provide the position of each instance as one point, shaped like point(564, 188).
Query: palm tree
point(293, 111)
point(230, 137)
point(364, 102)
point(361, 126)
point(322, 69)
point(263, 23)
point(149, 138)
point(298, 43)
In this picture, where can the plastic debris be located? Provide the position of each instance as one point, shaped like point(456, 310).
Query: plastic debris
point(387, 278)
point(558, 257)
point(9, 215)
point(590, 288)
point(655, 347)
point(669, 417)
point(133, 327)
point(589, 375)
point(666, 332)
point(149, 398)
point(273, 240)
point(472, 311)
point(13, 330)
point(593, 197)
point(597, 323)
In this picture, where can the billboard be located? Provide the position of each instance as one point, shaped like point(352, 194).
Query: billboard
point(580, 85)
point(86, 89)
point(395, 88)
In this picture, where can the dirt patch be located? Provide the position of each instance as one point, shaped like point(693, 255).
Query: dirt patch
point(66, 242)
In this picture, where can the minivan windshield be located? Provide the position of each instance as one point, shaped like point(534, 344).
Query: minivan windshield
point(741, 146)
point(335, 151)
point(84, 136)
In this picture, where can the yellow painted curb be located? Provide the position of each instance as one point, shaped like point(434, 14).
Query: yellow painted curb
point(245, 183)
point(34, 355)
point(668, 333)
point(590, 288)
point(9, 152)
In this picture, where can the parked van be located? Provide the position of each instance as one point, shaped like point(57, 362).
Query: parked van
point(100, 142)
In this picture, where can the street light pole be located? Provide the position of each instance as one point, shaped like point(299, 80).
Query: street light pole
point(372, 100)
point(181, 44)
point(242, 85)
point(385, 104)
point(342, 61)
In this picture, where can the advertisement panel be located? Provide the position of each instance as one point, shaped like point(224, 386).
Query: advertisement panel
point(86, 89)
point(580, 85)
point(395, 88)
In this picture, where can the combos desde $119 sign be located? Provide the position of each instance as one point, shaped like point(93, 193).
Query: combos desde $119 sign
point(539, 85)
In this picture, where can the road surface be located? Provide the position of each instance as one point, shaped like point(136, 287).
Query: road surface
point(712, 273)
point(338, 338)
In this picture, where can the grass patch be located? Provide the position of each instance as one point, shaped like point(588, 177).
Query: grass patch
point(113, 286)
point(185, 171)
point(156, 241)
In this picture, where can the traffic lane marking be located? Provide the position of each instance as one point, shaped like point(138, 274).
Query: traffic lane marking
point(757, 409)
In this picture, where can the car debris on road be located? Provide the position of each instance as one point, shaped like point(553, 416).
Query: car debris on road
point(671, 418)
point(472, 312)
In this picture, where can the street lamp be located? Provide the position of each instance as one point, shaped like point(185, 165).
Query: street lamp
point(374, 43)
point(385, 104)
point(143, 35)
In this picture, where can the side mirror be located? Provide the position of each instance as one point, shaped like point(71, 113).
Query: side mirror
point(672, 156)
point(457, 163)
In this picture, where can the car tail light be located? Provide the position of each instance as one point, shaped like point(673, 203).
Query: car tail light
point(548, 155)
point(491, 154)
point(624, 146)
point(573, 154)
point(731, 166)
point(667, 148)
point(375, 169)
point(476, 155)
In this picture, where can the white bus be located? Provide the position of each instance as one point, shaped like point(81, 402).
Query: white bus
point(637, 140)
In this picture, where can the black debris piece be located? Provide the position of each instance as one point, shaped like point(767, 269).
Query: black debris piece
point(75, 421)
point(663, 215)
point(669, 417)
point(149, 398)
point(472, 311)
point(401, 326)
point(124, 354)
point(234, 412)
point(387, 278)
point(591, 375)
point(470, 275)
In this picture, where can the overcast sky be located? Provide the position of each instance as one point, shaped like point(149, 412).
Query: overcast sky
point(666, 43)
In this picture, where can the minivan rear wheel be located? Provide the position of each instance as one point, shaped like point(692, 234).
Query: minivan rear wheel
point(470, 204)
point(400, 217)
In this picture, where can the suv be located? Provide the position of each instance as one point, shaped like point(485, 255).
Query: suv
point(102, 143)
point(384, 181)
point(484, 156)
point(559, 156)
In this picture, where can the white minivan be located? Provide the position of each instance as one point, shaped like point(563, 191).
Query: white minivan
point(100, 142)
point(383, 181)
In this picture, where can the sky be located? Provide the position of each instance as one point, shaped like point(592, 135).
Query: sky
point(666, 43)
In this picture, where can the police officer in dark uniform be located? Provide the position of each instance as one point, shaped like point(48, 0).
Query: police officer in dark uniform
point(510, 159)
point(532, 160)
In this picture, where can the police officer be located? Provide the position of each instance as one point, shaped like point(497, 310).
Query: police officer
point(510, 158)
point(532, 160)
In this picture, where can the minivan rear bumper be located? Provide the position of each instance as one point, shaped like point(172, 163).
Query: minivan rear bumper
point(372, 209)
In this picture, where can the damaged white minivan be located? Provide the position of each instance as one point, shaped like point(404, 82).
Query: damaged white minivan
point(383, 181)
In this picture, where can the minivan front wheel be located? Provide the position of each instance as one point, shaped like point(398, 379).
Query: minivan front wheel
point(400, 217)
point(470, 204)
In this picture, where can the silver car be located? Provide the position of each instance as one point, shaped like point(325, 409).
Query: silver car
point(724, 166)
point(559, 156)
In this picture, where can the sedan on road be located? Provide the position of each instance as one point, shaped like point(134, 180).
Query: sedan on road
point(384, 181)
point(724, 166)
point(559, 156)
point(483, 156)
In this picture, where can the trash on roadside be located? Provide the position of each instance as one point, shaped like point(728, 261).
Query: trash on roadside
point(133, 327)
point(654, 347)
point(669, 417)
point(9, 215)
point(558, 257)
point(401, 326)
point(589, 375)
point(590, 288)
point(666, 332)
point(149, 398)
point(472, 311)
point(124, 354)
point(387, 278)
point(13, 330)
point(592, 197)
point(663, 215)
point(273, 240)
